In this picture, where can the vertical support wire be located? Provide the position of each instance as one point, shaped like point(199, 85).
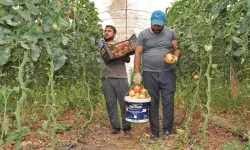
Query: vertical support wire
point(126, 14)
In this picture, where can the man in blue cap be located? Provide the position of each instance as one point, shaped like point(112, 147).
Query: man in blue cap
point(153, 44)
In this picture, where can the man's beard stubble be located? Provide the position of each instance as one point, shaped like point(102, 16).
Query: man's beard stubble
point(108, 39)
point(156, 31)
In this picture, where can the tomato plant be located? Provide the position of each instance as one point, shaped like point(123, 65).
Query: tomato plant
point(217, 29)
point(39, 45)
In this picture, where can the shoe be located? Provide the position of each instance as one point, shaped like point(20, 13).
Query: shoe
point(114, 131)
point(127, 134)
point(153, 139)
point(166, 134)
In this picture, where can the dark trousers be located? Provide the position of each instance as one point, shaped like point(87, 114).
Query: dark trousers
point(115, 89)
point(163, 83)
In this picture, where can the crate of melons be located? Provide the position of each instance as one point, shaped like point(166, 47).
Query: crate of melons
point(113, 52)
point(137, 104)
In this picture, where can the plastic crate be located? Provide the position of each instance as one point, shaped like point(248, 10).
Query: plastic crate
point(127, 47)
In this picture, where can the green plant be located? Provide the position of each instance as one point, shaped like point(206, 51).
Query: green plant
point(231, 146)
point(41, 47)
point(220, 27)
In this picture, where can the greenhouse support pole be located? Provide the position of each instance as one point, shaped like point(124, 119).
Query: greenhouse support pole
point(126, 14)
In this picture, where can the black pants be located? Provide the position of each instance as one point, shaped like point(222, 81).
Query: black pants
point(163, 83)
point(115, 89)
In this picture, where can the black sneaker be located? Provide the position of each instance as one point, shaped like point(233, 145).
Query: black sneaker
point(153, 139)
point(127, 134)
point(114, 131)
point(166, 134)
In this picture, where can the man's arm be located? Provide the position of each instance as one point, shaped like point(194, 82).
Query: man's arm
point(137, 59)
point(177, 51)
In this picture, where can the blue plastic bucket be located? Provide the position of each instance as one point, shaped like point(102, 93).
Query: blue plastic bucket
point(137, 110)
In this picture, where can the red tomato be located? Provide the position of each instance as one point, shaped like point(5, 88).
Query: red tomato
point(69, 14)
point(137, 89)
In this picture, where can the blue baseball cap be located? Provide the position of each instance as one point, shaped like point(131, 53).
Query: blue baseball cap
point(158, 18)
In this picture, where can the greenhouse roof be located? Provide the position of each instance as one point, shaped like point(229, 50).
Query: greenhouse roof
point(128, 16)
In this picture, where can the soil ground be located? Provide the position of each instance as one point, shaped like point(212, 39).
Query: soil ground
point(97, 137)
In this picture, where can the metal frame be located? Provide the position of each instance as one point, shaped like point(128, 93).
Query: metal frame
point(124, 9)
point(126, 17)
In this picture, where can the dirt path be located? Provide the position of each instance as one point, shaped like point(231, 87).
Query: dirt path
point(97, 137)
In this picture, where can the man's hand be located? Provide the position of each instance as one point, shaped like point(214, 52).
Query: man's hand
point(171, 59)
point(137, 78)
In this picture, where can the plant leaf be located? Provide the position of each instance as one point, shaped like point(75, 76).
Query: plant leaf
point(32, 8)
point(25, 15)
point(62, 22)
point(11, 23)
point(194, 48)
point(215, 14)
point(35, 52)
point(24, 45)
point(59, 62)
point(4, 56)
point(65, 40)
point(3, 13)
point(189, 35)
point(238, 40)
point(36, 1)
point(2, 41)
point(6, 2)
point(27, 90)
point(12, 137)
point(44, 124)
point(41, 132)
point(48, 48)
point(239, 52)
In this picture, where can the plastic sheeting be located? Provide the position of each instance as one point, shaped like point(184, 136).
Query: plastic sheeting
point(128, 16)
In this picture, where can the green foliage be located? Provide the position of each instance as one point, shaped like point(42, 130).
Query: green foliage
point(230, 30)
point(231, 146)
point(230, 33)
point(16, 135)
point(27, 26)
point(224, 25)
point(60, 52)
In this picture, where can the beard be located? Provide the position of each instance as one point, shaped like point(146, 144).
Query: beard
point(157, 31)
point(107, 39)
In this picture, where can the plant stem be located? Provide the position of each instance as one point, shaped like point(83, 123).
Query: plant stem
point(88, 98)
point(208, 91)
point(53, 108)
point(22, 98)
point(5, 97)
point(194, 104)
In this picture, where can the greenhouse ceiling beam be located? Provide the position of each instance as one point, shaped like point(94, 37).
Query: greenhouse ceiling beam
point(130, 27)
point(127, 18)
point(124, 9)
